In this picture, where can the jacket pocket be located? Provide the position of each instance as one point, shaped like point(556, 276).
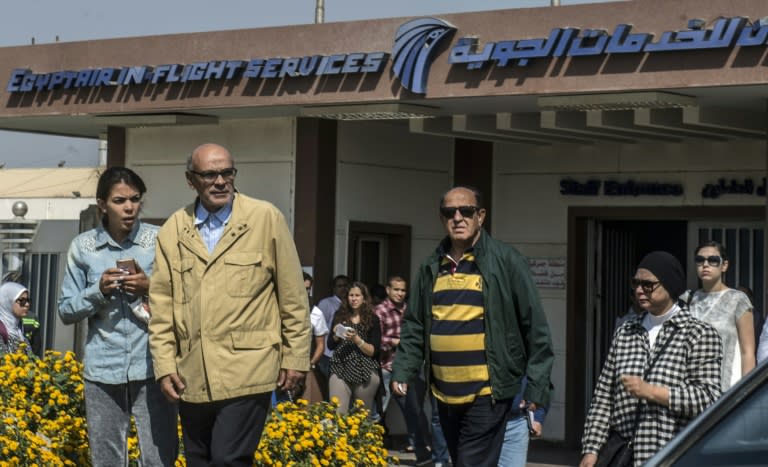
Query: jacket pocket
point(252, 340)
point(246, 274)
point(184, 276)
point(253, 361)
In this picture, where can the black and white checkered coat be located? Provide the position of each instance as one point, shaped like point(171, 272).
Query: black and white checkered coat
point(689, 367)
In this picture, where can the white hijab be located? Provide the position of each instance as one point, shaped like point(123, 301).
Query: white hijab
point(9, 293)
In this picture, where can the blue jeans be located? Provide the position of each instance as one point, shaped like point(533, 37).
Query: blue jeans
point(514, 451)
point(439, 446)
point(108, 409)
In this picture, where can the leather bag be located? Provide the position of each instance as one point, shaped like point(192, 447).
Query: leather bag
point(616, 452)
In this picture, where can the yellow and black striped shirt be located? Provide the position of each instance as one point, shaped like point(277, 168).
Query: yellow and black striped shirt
point(457, 337)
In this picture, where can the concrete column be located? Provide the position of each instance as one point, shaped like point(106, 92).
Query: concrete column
point(315, 222)
point(116, 146)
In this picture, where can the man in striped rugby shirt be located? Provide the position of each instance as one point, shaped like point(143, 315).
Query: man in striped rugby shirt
point(476, 319)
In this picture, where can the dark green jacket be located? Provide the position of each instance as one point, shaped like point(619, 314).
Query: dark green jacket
point(517, 338)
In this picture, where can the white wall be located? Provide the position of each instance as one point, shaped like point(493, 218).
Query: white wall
point(47, 208)
point(531, 214)
point(386, 174)
point(263, 149)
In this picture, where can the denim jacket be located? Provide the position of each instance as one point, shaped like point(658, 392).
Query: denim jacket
point(117, 348)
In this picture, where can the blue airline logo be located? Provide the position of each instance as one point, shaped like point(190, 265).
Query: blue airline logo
point(414, 48)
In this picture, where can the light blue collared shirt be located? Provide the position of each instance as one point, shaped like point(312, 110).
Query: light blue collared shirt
point(211, 224)
point(117, 346)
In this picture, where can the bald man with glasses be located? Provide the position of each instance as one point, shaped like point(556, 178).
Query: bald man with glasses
point(230, 315)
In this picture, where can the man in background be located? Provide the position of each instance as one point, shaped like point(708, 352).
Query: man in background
point(390, 312)
point(328, 307)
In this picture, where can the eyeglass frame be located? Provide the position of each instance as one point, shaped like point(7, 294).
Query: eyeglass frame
point(461, 209)
point(24, 301)
point(648, 286)
point(224, 174)
point(700, 260)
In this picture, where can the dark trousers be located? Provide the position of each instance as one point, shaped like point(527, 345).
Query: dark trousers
point(475, 432)
point(223, 433)
point(324, 375)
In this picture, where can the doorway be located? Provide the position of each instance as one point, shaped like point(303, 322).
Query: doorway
point(376, 251)
point(620, 245)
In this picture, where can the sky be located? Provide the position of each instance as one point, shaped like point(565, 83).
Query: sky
point(78, 20)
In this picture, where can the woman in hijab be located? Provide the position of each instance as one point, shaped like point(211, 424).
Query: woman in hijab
point(14, 305)
point(662, 370)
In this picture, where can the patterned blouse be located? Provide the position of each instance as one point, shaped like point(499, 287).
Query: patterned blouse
point(689, 367)
point(348, 362)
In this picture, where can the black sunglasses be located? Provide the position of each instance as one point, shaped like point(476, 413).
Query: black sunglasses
point(647, 286)
point(713, 260)
point(465, 211)
point(211, 176)
point(23, 301)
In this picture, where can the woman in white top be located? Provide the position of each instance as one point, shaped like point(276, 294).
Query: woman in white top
point(728, 310)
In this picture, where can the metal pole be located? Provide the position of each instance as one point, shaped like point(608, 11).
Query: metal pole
point(555, 3)
point(319, 11)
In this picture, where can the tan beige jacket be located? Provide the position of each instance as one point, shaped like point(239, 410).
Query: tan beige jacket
point(226, 322)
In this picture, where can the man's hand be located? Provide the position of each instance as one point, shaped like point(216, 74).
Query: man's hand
point(537, 428)
point(531, 405)
point(398, 388)
point(589, 460)
point(290, 379)
point(172, 387)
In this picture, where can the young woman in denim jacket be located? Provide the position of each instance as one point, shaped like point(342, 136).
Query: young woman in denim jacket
point(119, 380)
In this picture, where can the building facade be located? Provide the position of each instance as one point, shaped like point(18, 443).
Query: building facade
point(598, 132)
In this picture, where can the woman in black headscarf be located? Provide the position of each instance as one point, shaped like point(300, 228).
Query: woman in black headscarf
point(662, 370)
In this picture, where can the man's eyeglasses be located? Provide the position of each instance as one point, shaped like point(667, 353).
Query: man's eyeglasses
point(647, 286)
point(466, 211)
point(23, 301)
point(713, 260)
point(210, 176)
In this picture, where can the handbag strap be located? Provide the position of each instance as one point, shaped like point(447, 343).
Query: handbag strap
point(645, 375)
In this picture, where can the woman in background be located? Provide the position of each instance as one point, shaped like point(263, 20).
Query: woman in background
point(14, 306)
point(119, 379)
point(355, 340)
point(728, 310)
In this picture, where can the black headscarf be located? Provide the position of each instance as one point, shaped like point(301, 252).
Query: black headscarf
point(667, 269)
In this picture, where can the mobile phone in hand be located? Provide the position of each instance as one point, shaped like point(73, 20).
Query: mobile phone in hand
point(128, 265)
point(341, 331)
point(529, 421)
